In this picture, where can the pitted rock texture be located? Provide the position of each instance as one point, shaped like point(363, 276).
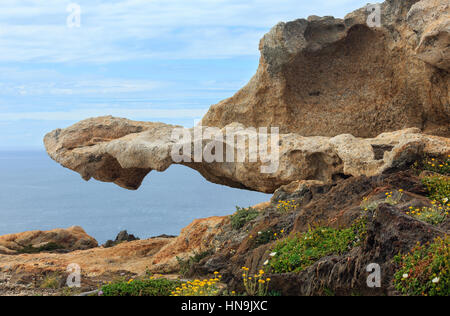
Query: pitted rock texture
point(124, 152)
point(327, 76)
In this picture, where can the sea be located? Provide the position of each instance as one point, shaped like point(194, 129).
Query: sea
point(36, 193)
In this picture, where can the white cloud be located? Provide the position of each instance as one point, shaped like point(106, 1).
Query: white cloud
point(113, 30)
point(78, 115)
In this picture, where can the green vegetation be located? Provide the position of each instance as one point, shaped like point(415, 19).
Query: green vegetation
point(435, 215)
point(436, 165)
point(51, 246)
point(243, 216)
point(255, 285)
point(425, 271)
point(206, 287)
point(264, 237)
point(392, 198)
point(158, 287)
point(438, 188)
point(51, 282)
point(285, 207)
point(186, 265)
point(296, 253)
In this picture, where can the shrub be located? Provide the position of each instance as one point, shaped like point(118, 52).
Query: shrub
point(435, 215)
point(296, 253)
point(286, 206)
point(266, 236)
point(50, 282)
point(158, 287)
point(425, 271)
point(438, 188)
point(243, 216)
point(392, 198)
point(441, 166)
point(256, 285)
point(208, 287)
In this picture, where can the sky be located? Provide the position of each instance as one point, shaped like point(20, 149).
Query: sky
point(151, 60)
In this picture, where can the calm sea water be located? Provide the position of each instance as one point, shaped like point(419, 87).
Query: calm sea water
point(38, 194)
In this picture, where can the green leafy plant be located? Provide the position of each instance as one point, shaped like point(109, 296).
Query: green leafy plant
point(435, 215)
point(285, 207)
point(266, 236)
point(157, 287)
point(296, 253)
point(438, 188)
point(437, 165)
point(425, 271)
point(255, 285)
point(393, 198)
point(243, 216)
point(206, 287)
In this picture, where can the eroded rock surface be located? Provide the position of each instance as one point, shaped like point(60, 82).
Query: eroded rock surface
point(124, 152)
point(156, 255)
point(327, 76)
point(70, 239)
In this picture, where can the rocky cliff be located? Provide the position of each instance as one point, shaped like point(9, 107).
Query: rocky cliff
point(327, 76)
point(359, 107)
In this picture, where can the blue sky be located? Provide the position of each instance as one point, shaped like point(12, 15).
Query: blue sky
point(157, 60)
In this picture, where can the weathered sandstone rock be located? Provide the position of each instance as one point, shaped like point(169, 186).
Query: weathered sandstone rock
point(138, 257)
point(124, 152)
point(131, 256)
point(327, 76)
point(70, 239)
point(193, 239)
point(430, 19)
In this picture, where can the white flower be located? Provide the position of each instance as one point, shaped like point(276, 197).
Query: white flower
point(445, 200)
point(259, 233)
point(273, 254)
point(405, 276)
point(435, 280)
point(266, 262)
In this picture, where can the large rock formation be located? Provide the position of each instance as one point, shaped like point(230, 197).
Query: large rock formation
point(327, 76)
point(320, 81)
point(124, 152)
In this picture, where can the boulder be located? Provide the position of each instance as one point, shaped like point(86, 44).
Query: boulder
point(70, 239)
point(123, 236)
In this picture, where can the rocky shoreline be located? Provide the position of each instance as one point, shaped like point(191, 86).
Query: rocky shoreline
point(361, 185)
point(226, 248)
